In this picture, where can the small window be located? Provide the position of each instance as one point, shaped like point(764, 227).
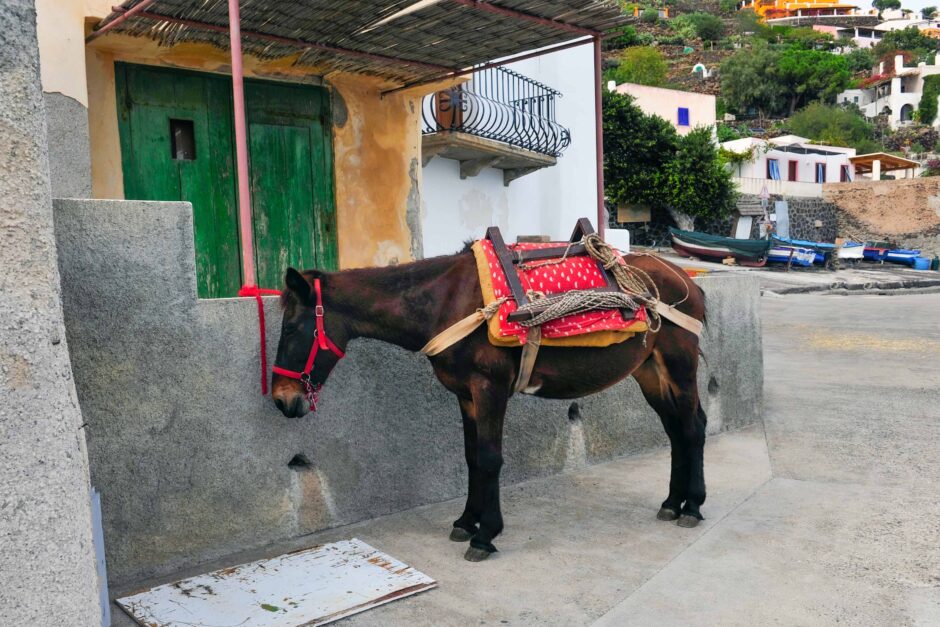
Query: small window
point(773, 169)
point(855, 98)
point(182, 140)
point(820, 172)
point(792, 168)
point(683, 116)
point(845, 175)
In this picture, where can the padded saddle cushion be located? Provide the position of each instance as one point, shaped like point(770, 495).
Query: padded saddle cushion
point(596, 328)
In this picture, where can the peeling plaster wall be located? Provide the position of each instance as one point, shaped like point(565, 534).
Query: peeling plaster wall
point(375, 142)
point(192, 461)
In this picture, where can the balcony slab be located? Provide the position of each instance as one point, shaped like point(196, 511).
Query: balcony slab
point(476, 153)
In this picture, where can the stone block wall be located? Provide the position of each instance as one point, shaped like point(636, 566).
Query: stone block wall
point(804, 212)
point(191, 460)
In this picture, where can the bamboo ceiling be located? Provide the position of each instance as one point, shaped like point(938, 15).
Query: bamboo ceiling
point(449, 34)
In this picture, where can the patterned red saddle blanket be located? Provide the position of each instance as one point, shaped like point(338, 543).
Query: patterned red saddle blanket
point(591, 328)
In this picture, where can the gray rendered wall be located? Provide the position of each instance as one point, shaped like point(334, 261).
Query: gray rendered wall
point(47, 563)
point(69, 152)
point(192, 461)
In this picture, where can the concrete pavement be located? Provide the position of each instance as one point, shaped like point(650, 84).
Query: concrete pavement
point(827, 514)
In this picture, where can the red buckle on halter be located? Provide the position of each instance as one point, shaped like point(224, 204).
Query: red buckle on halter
point(320, 340)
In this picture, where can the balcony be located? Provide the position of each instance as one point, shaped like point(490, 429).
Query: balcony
point(499, 119)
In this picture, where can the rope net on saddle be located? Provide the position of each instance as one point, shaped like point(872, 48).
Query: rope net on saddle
point(637, 289)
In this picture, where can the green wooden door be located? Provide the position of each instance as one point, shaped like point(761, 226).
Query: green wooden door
point(291, 178)
point(152, 104)
point(177, 143)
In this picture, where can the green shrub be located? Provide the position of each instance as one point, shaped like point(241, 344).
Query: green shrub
point(640, 64)
point(649, 16)
point(835, 126)
point(928, 100)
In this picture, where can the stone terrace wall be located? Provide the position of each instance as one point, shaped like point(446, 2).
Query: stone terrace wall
point(803, 215)
point(904, 213)
point(191, 460)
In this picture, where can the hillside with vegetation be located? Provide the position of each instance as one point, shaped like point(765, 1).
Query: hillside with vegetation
point(771, 80)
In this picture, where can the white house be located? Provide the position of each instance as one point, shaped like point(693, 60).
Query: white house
point(789, 165)
point(894, 91)
point(686, 110)
point(512, 180)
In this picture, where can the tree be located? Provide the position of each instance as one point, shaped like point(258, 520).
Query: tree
point(708, 27)
point(749, 80)
point(835, 126)
point(647, 162)
point(697, 184)
point(885, 5)
point(637, 148)
point(928, 13)
point(812, 74)
point(860, 60)
point(642, 65)
point(909, 39)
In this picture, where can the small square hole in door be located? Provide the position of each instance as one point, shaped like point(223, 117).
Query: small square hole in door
point(183, 140)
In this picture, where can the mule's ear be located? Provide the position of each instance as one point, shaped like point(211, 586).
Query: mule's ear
point(296, 283)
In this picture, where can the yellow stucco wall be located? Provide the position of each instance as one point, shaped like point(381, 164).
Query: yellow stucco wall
point(377, 147)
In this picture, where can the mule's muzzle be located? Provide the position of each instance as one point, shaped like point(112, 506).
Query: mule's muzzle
point(295, 407)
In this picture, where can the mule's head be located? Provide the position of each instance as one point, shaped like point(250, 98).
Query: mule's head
point(300, 340)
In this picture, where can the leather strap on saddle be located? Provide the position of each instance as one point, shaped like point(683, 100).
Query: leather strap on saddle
point(530, 351)
point(685, 321)
point(461, 329)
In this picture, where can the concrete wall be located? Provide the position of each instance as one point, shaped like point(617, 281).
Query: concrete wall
point(546, 202)
point(666, 102)
point(48, 574)
point(192, 461)
point(904, 212)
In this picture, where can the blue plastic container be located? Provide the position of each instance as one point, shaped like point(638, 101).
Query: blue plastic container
point(921, 263)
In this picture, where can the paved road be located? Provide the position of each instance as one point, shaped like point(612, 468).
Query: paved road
point(826, 514)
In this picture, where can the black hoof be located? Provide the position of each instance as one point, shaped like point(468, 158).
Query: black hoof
point(474, 554)
point(688, 521)
point(665, 513)
point(459, 534)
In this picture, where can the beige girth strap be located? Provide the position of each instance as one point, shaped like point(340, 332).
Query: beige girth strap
point(459, 330)
point(683, 320)
point(530, 351)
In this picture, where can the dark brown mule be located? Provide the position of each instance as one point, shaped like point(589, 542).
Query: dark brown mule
point(408, 304)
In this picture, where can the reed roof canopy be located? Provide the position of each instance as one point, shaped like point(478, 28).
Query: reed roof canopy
point(403, 41)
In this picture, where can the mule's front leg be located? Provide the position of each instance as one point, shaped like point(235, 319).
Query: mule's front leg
point(465, 527)
point(487, 411)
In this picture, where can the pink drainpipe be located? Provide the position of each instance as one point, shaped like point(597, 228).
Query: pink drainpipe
point(241, 146)
point(599, 135)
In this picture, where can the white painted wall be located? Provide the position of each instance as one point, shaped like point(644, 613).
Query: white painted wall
point(666, 102)
point(546, 202)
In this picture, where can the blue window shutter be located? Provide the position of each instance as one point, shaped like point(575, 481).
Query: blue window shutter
point(683, 116)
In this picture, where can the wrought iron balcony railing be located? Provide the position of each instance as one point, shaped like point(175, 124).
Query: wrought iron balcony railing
point(500, 105)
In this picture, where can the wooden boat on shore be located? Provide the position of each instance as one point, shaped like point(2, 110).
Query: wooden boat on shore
point(747, 252)
point(848, 250)
point(900, 255)
point(791, 255)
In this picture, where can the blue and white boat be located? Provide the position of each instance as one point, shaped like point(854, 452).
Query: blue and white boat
point(901, 255)
point(848, 250)
point(794, 255)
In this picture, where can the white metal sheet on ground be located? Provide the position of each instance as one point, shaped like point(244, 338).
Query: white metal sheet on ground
point(310, 587)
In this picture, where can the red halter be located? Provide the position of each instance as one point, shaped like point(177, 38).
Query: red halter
point(320, 340)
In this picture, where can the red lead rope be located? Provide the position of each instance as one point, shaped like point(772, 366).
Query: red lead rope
point(257, 293)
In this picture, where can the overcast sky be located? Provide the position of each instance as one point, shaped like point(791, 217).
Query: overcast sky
point(914, 5)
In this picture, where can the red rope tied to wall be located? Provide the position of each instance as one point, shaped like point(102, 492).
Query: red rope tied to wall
point(248, 291)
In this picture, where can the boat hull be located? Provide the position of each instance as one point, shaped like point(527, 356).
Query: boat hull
point(715, 253)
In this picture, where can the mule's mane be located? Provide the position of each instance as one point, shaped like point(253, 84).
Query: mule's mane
point(391, 276)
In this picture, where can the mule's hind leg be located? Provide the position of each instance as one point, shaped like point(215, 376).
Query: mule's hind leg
point(668, 381)
point(465, 527)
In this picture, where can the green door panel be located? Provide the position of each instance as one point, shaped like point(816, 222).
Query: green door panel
point(291, 168)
